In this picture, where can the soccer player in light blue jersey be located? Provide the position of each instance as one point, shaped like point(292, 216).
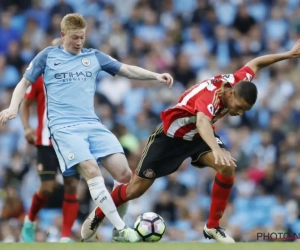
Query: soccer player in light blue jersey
point(79, 138)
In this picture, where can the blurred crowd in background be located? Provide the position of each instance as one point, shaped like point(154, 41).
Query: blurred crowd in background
point(192, 40)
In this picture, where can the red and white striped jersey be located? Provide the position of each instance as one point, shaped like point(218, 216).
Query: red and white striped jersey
point(37, 92)
point(180, 120)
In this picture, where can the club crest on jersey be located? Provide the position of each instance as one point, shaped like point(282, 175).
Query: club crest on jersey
point(149, 173)
point(71, 156)
point(86, 62)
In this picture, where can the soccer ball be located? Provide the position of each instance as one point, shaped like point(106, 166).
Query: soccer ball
point(150, 227)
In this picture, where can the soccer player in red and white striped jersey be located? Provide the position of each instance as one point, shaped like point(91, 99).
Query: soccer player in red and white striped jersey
point(36, 93)
point(206, 97)
point(47, 166)
point(187, 131)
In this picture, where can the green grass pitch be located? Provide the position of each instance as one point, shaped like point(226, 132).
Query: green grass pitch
point(149, 246)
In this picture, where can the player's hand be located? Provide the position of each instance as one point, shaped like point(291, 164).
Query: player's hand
point(165, 78)
point(224, 157)
point(30, 135)
point(295, 51)
point(7, 114)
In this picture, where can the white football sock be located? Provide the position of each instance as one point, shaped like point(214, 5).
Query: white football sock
point(102, 198)
point(123, 208)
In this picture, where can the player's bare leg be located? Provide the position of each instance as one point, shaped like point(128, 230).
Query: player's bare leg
point(120, 195)
point(220, 193)
point(91, 172)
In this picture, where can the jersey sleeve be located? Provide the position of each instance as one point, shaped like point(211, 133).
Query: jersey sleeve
point(37, 66)
point(205, 104)
point(107, 63)
point(244, 73)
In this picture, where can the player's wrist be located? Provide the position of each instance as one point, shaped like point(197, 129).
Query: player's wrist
point(289, 55)
point(13, 109)
point(156, 76)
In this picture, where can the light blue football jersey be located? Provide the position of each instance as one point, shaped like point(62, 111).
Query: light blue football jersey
point(70, 83)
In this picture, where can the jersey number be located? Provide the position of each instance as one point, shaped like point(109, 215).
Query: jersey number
point(203, 85)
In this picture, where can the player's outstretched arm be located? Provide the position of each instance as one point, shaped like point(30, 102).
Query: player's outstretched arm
point(134, 72)
point(207, 134)
point(16, 99)
point(264, 61)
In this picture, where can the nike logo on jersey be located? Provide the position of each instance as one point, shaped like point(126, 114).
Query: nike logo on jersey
point(55, 64)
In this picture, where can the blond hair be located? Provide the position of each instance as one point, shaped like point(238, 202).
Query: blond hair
point(72, 21)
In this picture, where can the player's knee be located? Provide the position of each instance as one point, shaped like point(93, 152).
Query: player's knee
point(124, 176)
point(89, 170)
point(226, 170)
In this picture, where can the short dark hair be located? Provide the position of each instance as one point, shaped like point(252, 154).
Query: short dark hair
point(247, 91)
